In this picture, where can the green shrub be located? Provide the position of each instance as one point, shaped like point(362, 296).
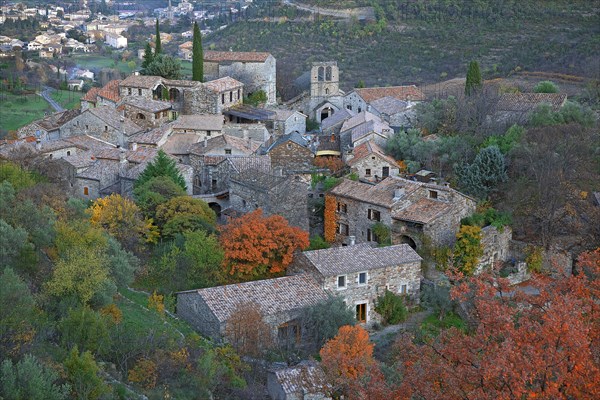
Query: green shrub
point(546, 87)
point(382, 234)
point(317, 242)
point(391, 307)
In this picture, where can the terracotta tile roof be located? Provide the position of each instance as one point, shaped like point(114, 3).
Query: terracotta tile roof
point(423, 211)
point(404, 93)
point(56, 120)
point(113, 118)
point(273, 296)
point(303, 379)
point(186, 45)
point(223, 84)
point(360, 118)
point(142, 103)
point(154, 136)
point(244, 145)
point(141, 81)
point(239, 56)
point(359, 257)
point(368, 149)
point(337, 118)
point(381, 194)
point(180, 143)
point(110, 91)
point(206, 122)
point(366, 128)
point(389, 105)
point(91, 95)
point(525, 102)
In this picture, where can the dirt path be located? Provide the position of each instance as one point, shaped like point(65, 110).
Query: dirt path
point(346, 13)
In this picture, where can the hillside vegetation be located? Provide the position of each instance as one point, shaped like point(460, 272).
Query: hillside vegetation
point(425, 41)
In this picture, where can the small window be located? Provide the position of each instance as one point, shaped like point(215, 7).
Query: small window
point(105, 128)
point(157, 115)
point(244, 203)
point(230, 96)
point(227, 151)
point(289, 145)
point(343, 229)
point(129, 91)
point(238, 94)
point(373, 215)
point(165, 114)
point(87, 126)
point(359, 109)
point(68, 152)
point(342, 207)
point(433, 194)
point(385, 172)
point(341, 282)
point(222, 98)
point(139, 92)
point(403, 289)
point(368, 172)
point(208, 133)
point(369, 235)
point(86, 191)
point(362, 278)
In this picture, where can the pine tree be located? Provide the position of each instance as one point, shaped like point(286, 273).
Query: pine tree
point(158, 46)
point(162, 165)
point(197, 56)
point(148, 56)
point(474, 82)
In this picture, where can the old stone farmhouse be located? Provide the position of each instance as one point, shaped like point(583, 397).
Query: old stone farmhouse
point(358, 273)
point(371, 163)
point(256, 70)
point(413, 211)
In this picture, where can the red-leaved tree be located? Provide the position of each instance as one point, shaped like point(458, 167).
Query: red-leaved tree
point(259, 246)
point(525, 344)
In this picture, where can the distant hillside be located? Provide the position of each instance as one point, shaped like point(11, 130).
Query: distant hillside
point(427, 43)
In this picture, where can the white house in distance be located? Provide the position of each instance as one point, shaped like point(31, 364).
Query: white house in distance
point(116, 41)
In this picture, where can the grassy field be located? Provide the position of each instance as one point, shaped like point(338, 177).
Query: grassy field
point(97, 61)
point(67, 99)
point(19, 110)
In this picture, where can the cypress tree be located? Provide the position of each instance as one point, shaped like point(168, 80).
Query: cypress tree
point(158, 47)
point(474, 82)
point(148, 56)
point(197, 56)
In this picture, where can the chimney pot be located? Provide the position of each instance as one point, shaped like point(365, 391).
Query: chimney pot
point(351, 240)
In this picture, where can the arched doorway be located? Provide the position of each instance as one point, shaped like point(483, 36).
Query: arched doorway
point(409, 241)
point(326, 112)
point(173, 94)
point(216, 207)
point(159, 93)
point(140, 116)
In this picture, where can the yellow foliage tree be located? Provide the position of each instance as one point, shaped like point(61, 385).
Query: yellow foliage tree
point(144, 372)
point(156, 302)
point(122, 218)
point(468, 249)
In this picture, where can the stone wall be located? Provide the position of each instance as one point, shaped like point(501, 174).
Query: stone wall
point(200, 101)
point(495, 244)
point(357, 219)
point(256, 132)
point(288, 199)
point(254, 75)
point(88, 124)
point(376, 168)
point(193, 309)
point(291, 157)
point(149, 119)
point(93, 188)
point(353, 102)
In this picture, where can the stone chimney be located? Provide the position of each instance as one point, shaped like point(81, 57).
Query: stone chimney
point(245, 134)
point(205, 141)
point(38, 145)
point(134, 146)
point(122, 156)
point(351, 240)
point(398, 193)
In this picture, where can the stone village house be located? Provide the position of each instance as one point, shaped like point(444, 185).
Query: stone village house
point(414, 211)
point(358, 273)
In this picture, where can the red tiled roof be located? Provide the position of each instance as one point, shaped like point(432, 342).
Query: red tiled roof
point(110, 91)
point(91, 95)
point(404, 93)
point(241, 56)
point(366, 149)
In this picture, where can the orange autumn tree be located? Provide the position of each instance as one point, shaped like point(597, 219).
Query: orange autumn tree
point(540, 343)
point(258, 246)
point(330, 224)
point(348, 362)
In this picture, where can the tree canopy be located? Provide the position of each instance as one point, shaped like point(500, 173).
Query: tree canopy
point(197, 55)
point(162, 165)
